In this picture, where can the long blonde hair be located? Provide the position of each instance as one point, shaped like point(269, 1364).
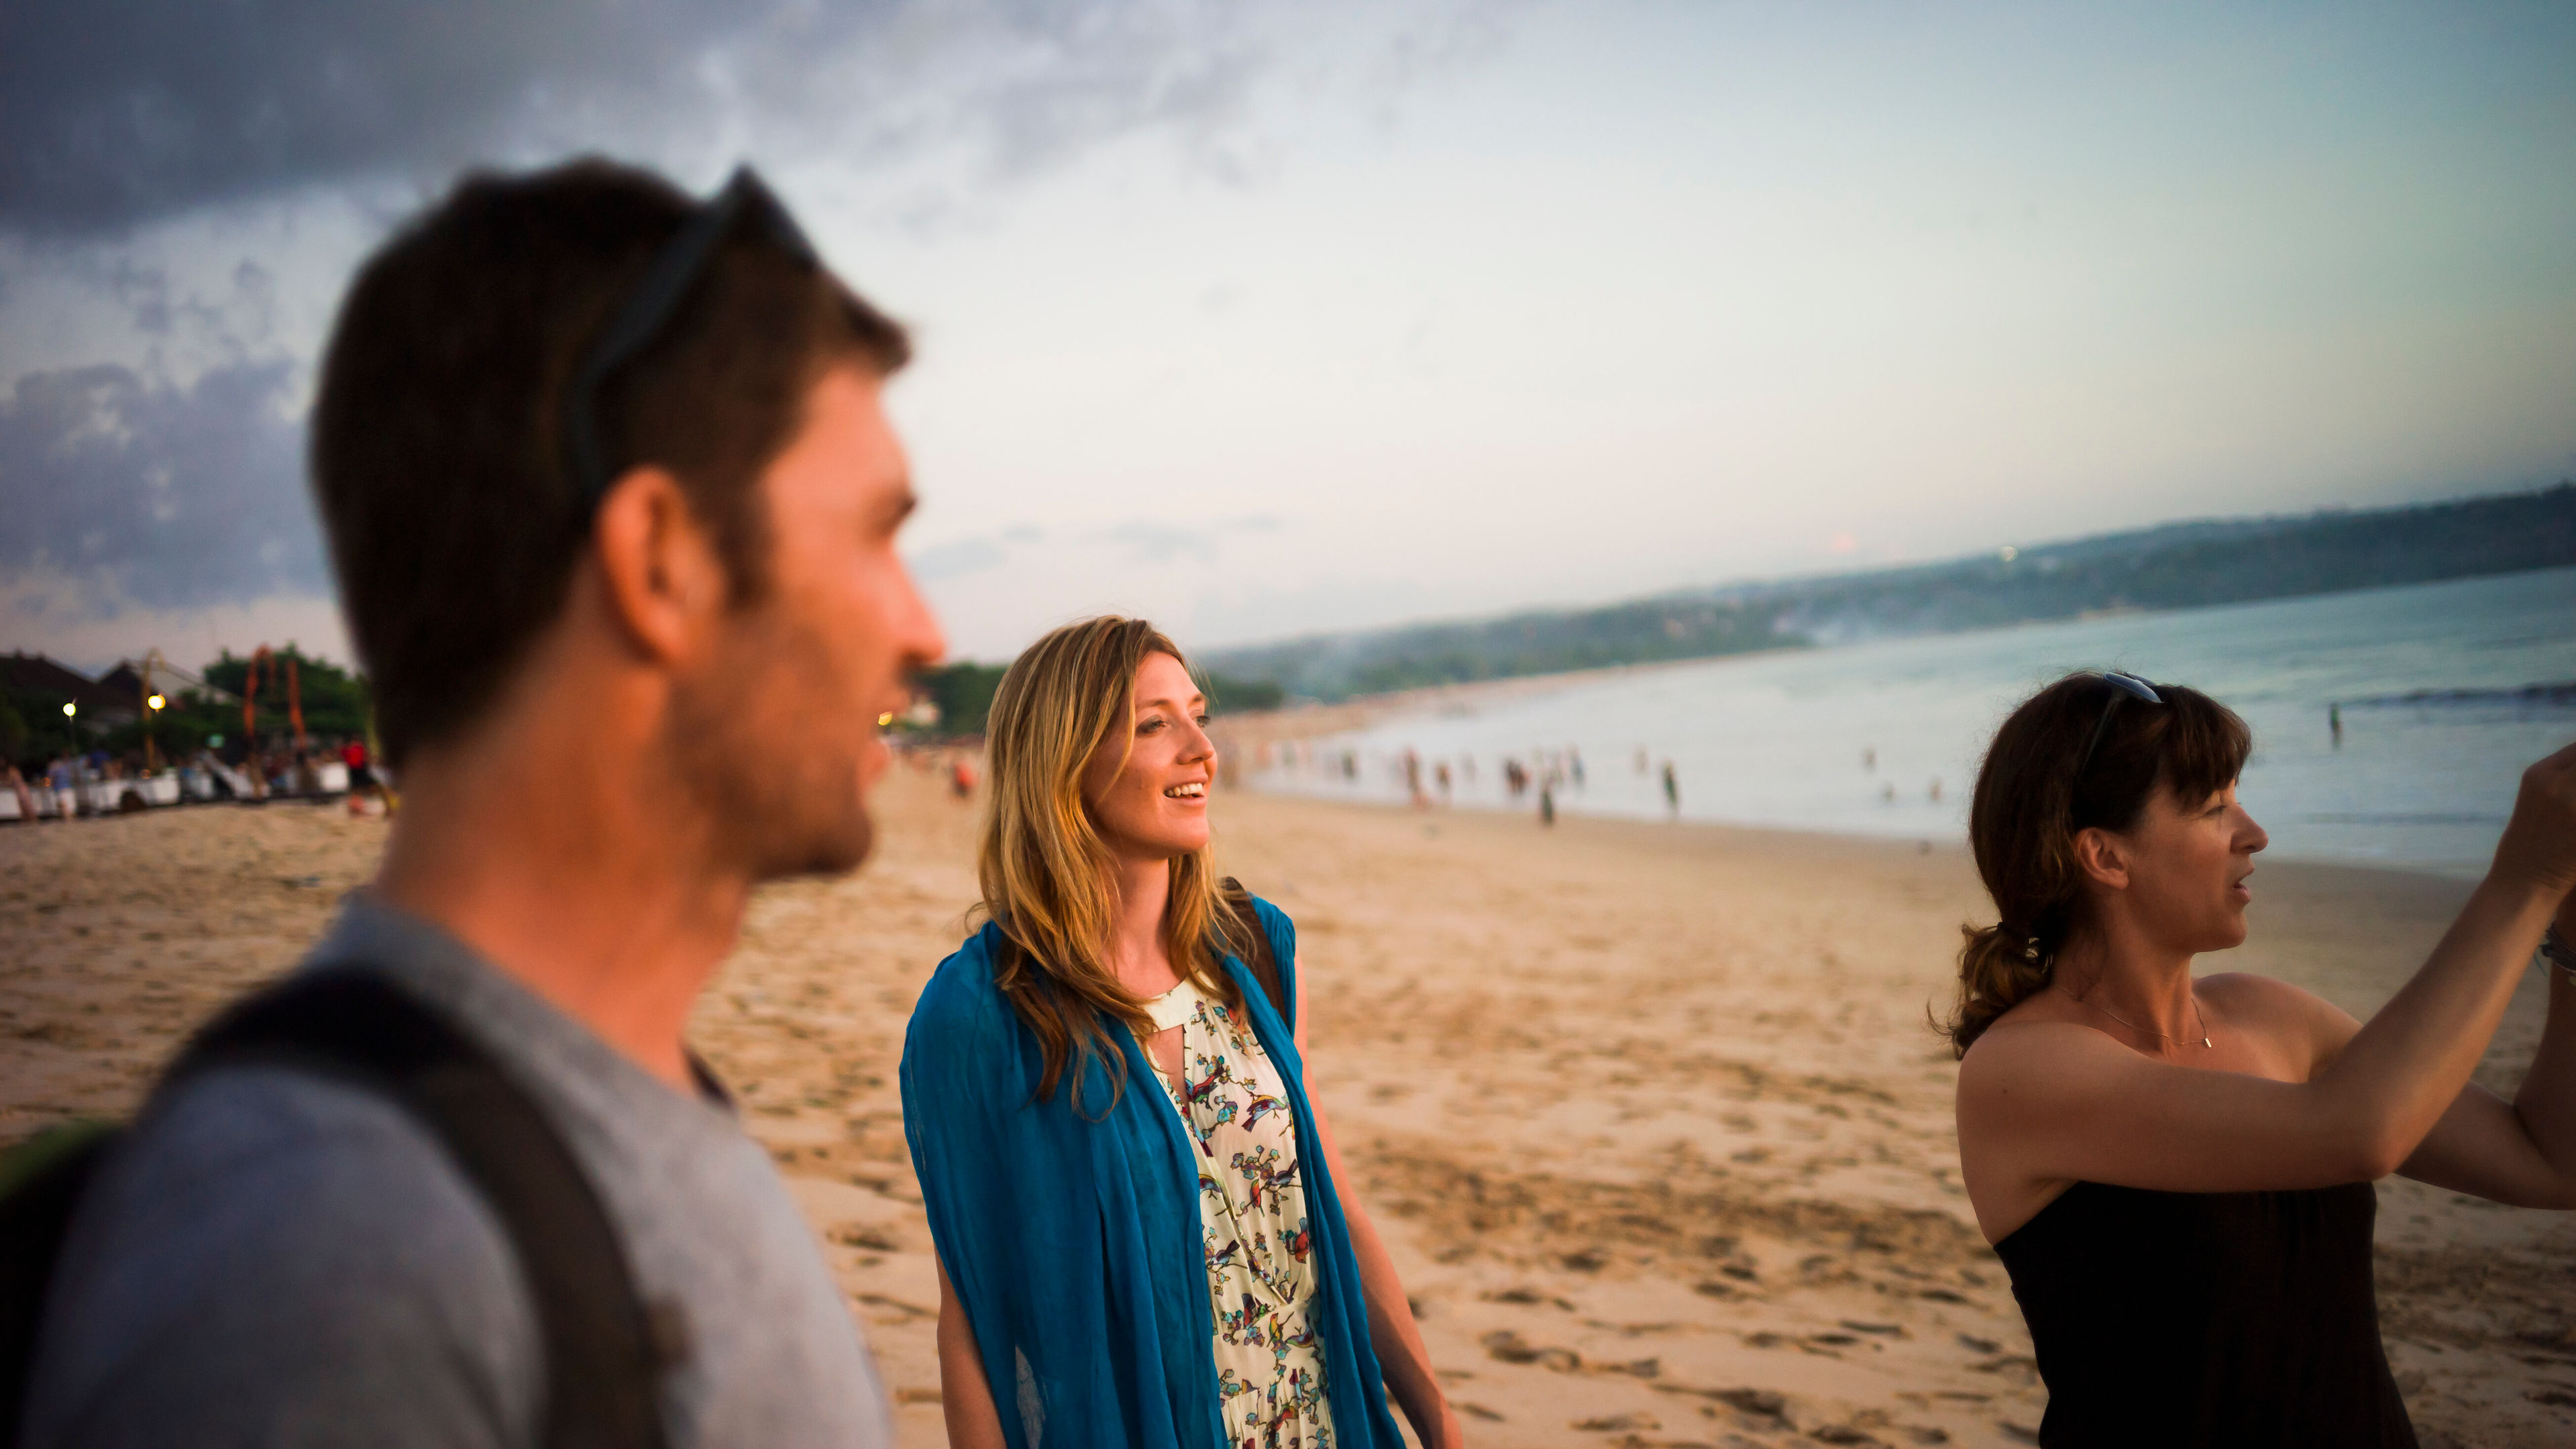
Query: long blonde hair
point(1046, 874)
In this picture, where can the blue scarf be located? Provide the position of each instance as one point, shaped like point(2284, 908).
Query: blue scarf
point(1075, 1245)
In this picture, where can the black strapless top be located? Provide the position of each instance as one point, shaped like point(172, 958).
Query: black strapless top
point(2207, 1319)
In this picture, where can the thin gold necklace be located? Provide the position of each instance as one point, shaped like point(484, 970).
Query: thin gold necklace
point(2145, 1031)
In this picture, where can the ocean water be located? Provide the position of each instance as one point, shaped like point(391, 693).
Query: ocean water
point(1883, 738)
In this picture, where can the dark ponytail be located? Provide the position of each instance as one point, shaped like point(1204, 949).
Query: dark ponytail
point(2029, 807)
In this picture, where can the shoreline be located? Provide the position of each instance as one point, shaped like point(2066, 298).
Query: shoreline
point(1885, 737)
point(1567, 813)
point(2121, 611)
point(1269, 726)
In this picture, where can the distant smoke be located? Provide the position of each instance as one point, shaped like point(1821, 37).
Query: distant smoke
point(158, 495)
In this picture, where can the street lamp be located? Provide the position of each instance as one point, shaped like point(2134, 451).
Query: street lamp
point(156, 701)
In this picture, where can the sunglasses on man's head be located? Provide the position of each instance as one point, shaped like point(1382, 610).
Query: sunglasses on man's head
point(2124, 687)
point(655, 300)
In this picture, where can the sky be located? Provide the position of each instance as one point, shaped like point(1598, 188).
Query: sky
point(1261, 320)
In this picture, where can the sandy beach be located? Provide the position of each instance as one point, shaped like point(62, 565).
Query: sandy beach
point(1650, 1113)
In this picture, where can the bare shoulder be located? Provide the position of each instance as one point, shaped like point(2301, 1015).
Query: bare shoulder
point(2031, 1046)
point(2290, 1018)
point(2265, 994)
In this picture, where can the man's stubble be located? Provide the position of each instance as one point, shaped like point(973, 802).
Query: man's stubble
point(766, 751)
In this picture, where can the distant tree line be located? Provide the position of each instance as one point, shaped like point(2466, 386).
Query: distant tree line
point(963, 693)
point(335, 705)
point(1645, 632)
point(2188, 566)
point(1228, 695)
point(2177, 566)
point(17, 730)
point(335, 700)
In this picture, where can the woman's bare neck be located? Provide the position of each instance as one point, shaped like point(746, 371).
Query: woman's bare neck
point(1137, 951)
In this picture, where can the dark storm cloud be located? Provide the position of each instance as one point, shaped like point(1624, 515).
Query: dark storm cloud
point(142, 492)
point(125, 487)
point(115, 116)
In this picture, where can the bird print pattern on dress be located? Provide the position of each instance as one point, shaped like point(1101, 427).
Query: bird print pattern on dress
point(1252, 1212)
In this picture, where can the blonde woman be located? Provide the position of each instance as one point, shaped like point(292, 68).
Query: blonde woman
point(1134, 1199)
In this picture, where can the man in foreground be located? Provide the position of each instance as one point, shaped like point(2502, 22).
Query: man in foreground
point(613, 507)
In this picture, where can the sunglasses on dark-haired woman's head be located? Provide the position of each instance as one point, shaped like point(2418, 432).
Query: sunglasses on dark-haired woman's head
point(2124, 687)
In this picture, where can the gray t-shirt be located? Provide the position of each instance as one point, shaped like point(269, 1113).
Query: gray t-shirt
point(275, 1258)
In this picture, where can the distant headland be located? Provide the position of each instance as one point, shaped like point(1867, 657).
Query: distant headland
point(2174, 566)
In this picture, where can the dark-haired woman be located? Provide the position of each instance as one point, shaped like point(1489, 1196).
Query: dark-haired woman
point(1143, 1236)
point(2175, 1169)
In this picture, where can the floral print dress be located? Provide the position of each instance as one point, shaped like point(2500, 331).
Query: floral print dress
point(1252, 1210)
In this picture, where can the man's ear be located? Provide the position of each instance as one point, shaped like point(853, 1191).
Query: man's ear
point(2103, 857)
point(658, 567)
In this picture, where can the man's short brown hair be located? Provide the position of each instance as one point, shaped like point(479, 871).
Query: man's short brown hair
point(439, 456)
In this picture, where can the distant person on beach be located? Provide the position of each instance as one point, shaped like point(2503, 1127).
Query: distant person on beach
point(2177, 1170)
point(612, 502)
point(1144, 1230)
point(64, 778)
point(1672, 789)
point(353, 756)
point(71, 787)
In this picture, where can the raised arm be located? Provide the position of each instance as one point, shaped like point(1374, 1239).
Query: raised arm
point(2055, 1102)
point(2522, 1152)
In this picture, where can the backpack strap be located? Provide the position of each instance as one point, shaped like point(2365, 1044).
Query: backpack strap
point(604, 1356)
point(41, 1181)
point(1259, 960)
